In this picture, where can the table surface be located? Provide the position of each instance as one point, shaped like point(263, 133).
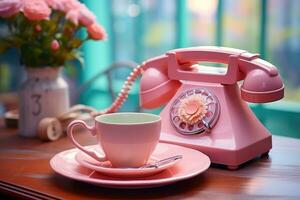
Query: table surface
point(25, 163)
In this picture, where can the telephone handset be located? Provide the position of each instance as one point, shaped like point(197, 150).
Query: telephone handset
point(208, 103)
point(262, 82)
point(162, 75)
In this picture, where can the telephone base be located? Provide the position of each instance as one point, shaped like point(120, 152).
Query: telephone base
point(227, 156)
point(237, 136)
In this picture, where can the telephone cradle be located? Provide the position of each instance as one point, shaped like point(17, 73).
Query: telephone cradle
point(206, 107)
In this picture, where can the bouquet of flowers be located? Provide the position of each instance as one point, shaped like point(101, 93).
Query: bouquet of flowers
point(46, 32)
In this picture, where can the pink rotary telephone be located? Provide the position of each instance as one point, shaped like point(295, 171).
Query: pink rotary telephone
point(206, 109)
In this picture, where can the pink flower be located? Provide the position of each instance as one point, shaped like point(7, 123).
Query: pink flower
point(9, 8)
point(52, 3)
point(81, 15)
point(73, 16)
point(86, 17)
point(70, 5)
point(96, 32)
point(36, 10)
point(63, 5)
point(55, 45)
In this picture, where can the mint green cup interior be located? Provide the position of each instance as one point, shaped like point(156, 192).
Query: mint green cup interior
point(128, 118)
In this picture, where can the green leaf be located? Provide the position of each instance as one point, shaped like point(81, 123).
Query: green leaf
point(76, 55)
point(75, 43)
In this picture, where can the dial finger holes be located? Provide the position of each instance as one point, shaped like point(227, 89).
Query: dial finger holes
point(209, 114)
point(190, 127)
point(191, 92)
point(200, 124)
point(209, 100)
point(204, 93)
point(182, 125)
point(176, 119)
point(211, 107)
point(174, 111)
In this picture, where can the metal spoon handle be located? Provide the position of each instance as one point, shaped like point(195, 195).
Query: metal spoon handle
point(162, 162)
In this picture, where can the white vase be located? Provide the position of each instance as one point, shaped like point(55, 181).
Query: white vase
point(43, 94)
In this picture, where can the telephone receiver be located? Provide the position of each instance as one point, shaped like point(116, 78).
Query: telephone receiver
point(206, 110)
point(163, 75)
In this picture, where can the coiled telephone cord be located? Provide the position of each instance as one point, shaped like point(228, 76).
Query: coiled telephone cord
point(123, 94)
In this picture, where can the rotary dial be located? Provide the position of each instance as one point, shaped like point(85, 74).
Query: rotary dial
point(194, 111)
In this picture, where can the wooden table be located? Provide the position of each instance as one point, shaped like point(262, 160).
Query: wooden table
point(25, 172)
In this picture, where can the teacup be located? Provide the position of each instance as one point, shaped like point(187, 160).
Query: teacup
point(127, 139)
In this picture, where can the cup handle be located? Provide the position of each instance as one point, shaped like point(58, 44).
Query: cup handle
point(92, 130)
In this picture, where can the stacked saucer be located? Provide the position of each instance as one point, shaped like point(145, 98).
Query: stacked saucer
point(76, 165)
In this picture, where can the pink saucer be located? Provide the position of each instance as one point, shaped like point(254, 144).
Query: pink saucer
point(90, 163)
point(193, 163)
